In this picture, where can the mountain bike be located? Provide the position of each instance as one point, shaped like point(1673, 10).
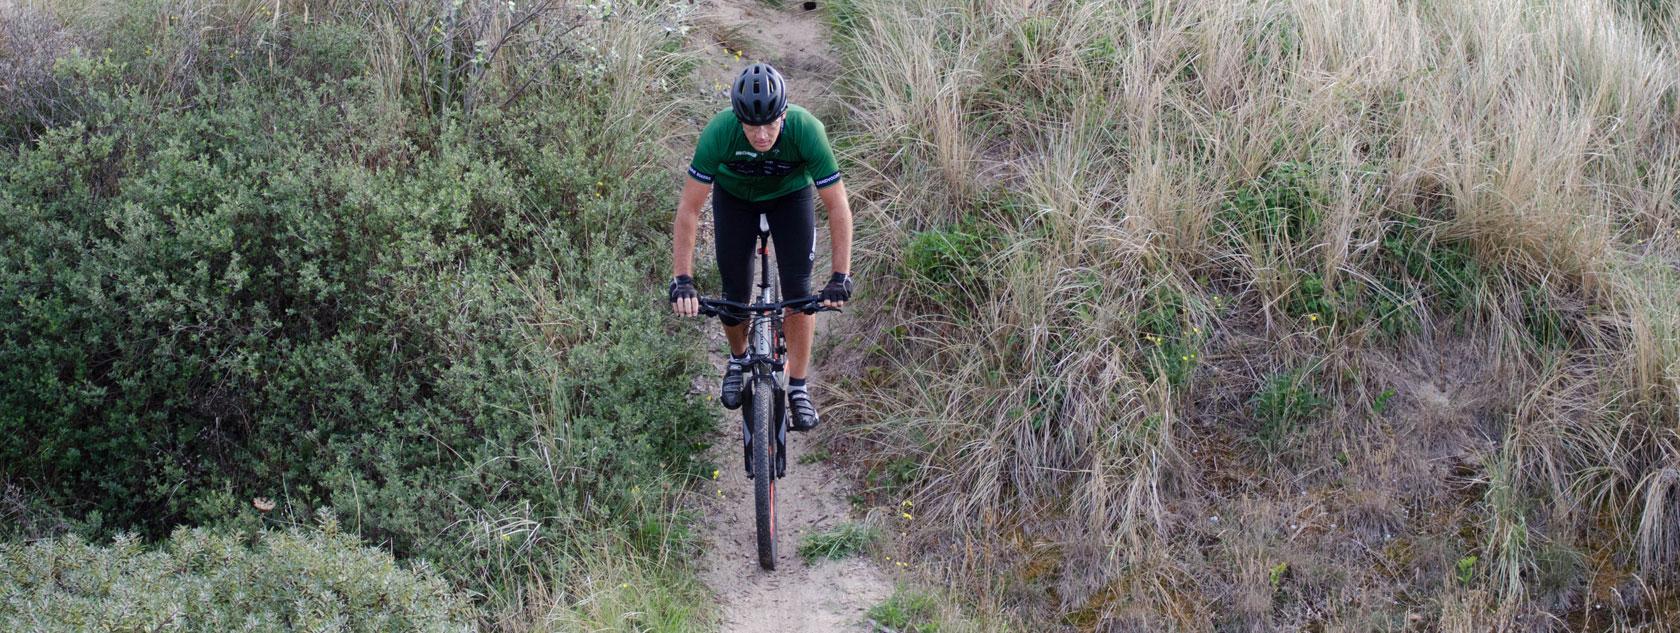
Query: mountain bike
point(764, 414)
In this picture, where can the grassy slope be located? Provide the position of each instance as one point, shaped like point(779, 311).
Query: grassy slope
point(1266, 315)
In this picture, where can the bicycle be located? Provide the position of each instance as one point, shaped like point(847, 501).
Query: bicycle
point(764, 414)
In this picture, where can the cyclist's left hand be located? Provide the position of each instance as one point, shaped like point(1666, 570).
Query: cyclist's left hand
point(838, 291)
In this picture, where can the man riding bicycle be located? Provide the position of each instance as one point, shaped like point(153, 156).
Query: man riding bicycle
point(764, 156)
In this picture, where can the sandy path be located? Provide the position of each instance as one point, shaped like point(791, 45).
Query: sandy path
point(826, 596)
point(829, 595)
point(793, 40)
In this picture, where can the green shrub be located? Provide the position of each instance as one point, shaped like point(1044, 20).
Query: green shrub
point(1381, 402)
point(1414, 270)
point(1281, 207)
point(944, 257)
point(1171, 341)
point(1547, 327)
point(893, 474)
point(907, 610)
point(203, 580)
point(1312, 299)
point(1284, 403)
point(1441, 274)
point(253, 277)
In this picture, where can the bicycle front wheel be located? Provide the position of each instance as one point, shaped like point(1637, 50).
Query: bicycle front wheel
point(764, 468)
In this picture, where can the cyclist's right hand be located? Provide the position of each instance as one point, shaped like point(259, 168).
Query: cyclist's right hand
point(685, 301)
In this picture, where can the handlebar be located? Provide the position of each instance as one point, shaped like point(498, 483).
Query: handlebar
point(807, 305)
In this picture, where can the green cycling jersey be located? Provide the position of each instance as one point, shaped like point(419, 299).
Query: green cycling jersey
point(800, 158)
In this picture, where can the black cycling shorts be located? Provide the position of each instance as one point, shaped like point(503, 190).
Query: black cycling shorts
point(792, 229)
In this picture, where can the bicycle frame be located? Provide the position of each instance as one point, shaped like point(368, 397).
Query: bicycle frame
point(765, 340)
point(767, 348)
point(766, 344)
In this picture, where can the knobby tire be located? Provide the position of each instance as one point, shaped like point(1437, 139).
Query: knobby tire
point(764, 468)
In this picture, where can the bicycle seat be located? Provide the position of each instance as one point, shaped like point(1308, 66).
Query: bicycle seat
point(763, 225)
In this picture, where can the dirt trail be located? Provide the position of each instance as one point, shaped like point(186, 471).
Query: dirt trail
point(792, 39)
point(829, 595)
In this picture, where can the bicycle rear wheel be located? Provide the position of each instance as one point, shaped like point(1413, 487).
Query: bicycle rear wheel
point(764, 468)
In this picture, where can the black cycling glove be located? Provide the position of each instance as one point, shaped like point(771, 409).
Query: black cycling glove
point(839, 288)
point(683, 288)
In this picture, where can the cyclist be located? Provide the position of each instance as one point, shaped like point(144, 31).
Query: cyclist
point(764, 156)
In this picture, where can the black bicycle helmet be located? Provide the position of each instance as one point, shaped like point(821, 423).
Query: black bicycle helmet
point(759, 96)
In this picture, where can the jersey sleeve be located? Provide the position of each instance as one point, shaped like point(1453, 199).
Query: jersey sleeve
point(703, 167)
point(825, 170)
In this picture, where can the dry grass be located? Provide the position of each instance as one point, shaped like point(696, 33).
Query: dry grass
point(1114, 226)
point(31, 94)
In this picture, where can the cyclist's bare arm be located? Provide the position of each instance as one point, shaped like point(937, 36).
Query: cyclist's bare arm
point(682, 244)
point(839, 228)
